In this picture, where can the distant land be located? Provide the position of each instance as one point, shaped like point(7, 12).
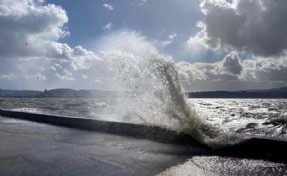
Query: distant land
point(57, 93)
point(70, 93)
point(264, 93)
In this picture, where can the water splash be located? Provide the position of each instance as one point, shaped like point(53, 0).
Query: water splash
point(151, 91)
point(155, 97)
point(215, 165)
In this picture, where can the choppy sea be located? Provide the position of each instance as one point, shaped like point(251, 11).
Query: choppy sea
point(254, 117)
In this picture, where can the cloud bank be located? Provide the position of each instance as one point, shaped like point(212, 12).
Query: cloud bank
point(29, 47)
point(257, 26)
point(233, 73)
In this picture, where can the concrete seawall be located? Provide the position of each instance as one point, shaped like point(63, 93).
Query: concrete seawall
point(126, 129)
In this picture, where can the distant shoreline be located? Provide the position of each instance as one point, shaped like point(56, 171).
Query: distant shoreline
point(241, 94)
point(278, 93)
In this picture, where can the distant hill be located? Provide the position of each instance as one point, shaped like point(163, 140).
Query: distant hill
point(264, 93)
point(19, 93)
point(70, 93)
point(56, 93)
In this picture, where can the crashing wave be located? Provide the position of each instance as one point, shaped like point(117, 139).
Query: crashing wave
point(156, 98)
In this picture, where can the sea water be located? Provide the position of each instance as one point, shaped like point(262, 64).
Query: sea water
point(249, 117)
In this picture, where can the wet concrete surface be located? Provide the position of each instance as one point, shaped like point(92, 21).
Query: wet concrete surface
point(30, 148)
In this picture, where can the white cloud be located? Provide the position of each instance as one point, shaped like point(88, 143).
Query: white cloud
point(84, 76)
point(172, 36)
point(7, 77)
point(98, 81)
point(244, 25)
point(32, 28)
point(265, 69)
point(34, 77)
point(65, 75)
point(225, 70)
point(24, 30)
point(162, 44)
point(197, 44)
point(53, 68)
point(107, 26)
point(231, 64)
point(41, 77)
point(29, 47)
point(108, 7)
point(234, 73)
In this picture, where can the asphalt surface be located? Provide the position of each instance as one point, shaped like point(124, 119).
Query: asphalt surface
point(30, 148)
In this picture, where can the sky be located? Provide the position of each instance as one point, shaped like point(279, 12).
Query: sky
point(214, 44)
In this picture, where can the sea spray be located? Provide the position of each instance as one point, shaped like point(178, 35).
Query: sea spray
point(153, 96)
point(215, 165)
point(151, 91)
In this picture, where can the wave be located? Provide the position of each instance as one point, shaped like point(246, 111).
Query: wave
point(32, 110)
point(215, 165)
point(281, 121)
point(156, 98)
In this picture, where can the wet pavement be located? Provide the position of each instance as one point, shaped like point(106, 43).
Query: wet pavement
point(30, 148)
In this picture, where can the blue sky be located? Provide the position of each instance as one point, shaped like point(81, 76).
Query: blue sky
point(214, 44)
point(156, 20)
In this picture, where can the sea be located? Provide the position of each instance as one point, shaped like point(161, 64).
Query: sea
point(156, 98)
point(251, 117)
